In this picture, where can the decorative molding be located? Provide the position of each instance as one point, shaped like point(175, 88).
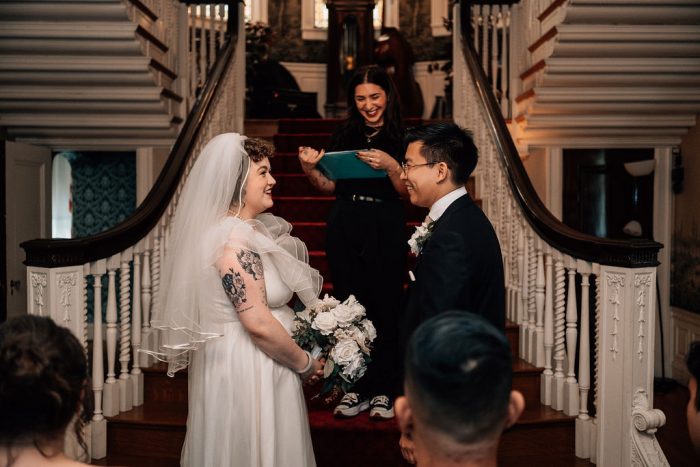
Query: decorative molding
point(439, 9)
point(645, 421)
point(642, 282)
point(617, 282)
point(685, 328)
point(39, 283)
point(65, 283)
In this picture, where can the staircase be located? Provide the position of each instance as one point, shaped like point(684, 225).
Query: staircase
point(152, 435)
point(606, 72)
point(82, 74)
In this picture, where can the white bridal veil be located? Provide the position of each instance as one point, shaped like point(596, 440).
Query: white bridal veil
point(202, 227)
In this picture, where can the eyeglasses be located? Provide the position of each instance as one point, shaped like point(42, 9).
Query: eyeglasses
point(406, 166)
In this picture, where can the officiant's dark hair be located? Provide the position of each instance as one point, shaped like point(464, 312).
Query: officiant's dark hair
point(448, 143)
point(459, 376)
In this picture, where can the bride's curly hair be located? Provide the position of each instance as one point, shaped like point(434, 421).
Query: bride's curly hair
point(258, 149)
point(43, 384)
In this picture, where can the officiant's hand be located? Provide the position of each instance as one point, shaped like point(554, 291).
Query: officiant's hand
point(378, 160)
point(315, 373)
point(309, 157)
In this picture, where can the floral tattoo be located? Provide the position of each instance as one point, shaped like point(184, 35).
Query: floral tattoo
point(235, 289)
point(250, 262)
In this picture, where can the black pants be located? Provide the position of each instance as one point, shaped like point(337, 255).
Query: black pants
point(366, 249)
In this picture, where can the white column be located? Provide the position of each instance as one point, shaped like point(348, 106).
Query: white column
point(596, 367)
point(146, 300)
point(126, 389)
point(548, 374)
point(136, 374)
point(111, 387)
point(559, 332)
point(571, 385)
point(98, 426)
point(538, 345)
point(583, 422)
point(626, 422)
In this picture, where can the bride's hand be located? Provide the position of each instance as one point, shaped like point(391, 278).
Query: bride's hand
point(309, 157)
point(315, 373)
point(378, 159)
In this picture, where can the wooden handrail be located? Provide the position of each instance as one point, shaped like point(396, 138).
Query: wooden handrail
point(52, 253)
point(631, 253)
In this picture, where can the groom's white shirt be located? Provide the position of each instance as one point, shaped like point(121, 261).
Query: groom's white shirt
point(438, 208)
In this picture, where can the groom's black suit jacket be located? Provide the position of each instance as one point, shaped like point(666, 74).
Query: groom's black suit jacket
point(459, 268)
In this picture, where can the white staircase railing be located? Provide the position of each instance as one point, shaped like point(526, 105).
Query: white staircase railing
point(549, 271)
point(60, 279)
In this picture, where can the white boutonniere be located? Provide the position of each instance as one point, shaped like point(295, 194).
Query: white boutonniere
point(420, 236)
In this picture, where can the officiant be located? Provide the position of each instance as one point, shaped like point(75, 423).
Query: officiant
point(365, 236)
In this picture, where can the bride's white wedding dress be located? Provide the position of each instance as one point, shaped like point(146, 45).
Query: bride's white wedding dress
point(245, 409)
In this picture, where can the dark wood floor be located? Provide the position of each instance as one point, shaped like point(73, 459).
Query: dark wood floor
point(673, 437)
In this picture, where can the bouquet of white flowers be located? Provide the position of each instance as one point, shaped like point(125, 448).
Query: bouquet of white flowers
point(341, 332)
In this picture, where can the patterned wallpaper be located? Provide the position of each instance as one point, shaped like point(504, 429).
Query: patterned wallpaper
point(104, 190)
point(104, 194)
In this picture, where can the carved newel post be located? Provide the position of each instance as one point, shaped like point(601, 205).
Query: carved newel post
point(626, 420)
point(350, 45)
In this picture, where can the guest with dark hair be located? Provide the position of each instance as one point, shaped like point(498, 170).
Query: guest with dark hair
point(458, 392)
point(366, 229)
point(43, 385)
point(693, 411)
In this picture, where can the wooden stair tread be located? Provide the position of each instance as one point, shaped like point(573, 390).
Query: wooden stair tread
point(154, 414)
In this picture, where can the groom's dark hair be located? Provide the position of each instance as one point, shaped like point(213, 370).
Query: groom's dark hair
point(448, 143)
point(459, 376)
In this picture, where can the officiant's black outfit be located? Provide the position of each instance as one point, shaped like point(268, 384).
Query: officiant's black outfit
point(366, 248)
point(459, 268)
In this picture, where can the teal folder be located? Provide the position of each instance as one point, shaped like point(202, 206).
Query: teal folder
point(345, 164)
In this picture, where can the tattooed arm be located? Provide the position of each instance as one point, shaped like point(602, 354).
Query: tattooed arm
point(309, 157)
point(243, 280)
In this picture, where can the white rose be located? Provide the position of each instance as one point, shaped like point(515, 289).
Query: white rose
point(329, 301)
point(355, 369)
point(356, 334)
point(344, 352)
point(325, 323)
point(355, 305)
point(305, 315)
point(345, 315)
point(370, 330)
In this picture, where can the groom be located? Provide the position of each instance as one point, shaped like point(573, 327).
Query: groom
point(459, 262)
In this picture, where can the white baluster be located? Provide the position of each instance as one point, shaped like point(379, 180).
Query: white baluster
point(548, 374)
point(111, 390)
point(505, 61)
point(221, 18)
point(201, 29)
point(212, 35)
point(126, 390)
point(146, 301)
point(86, 273)
point(531, 296)
point(493, 23)
point(136, 374)
point(538, 345)
point(559, 332)
point(522, 306)
point(596, 367)
point(98, 426)
point(571, 386)
point(583, 422)
point(194, 77)
point(486, 12)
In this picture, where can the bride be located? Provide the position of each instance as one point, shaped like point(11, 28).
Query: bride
point(230, 274)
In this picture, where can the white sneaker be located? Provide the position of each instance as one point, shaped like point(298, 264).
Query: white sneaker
point(350, 405)
point(381, 408)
